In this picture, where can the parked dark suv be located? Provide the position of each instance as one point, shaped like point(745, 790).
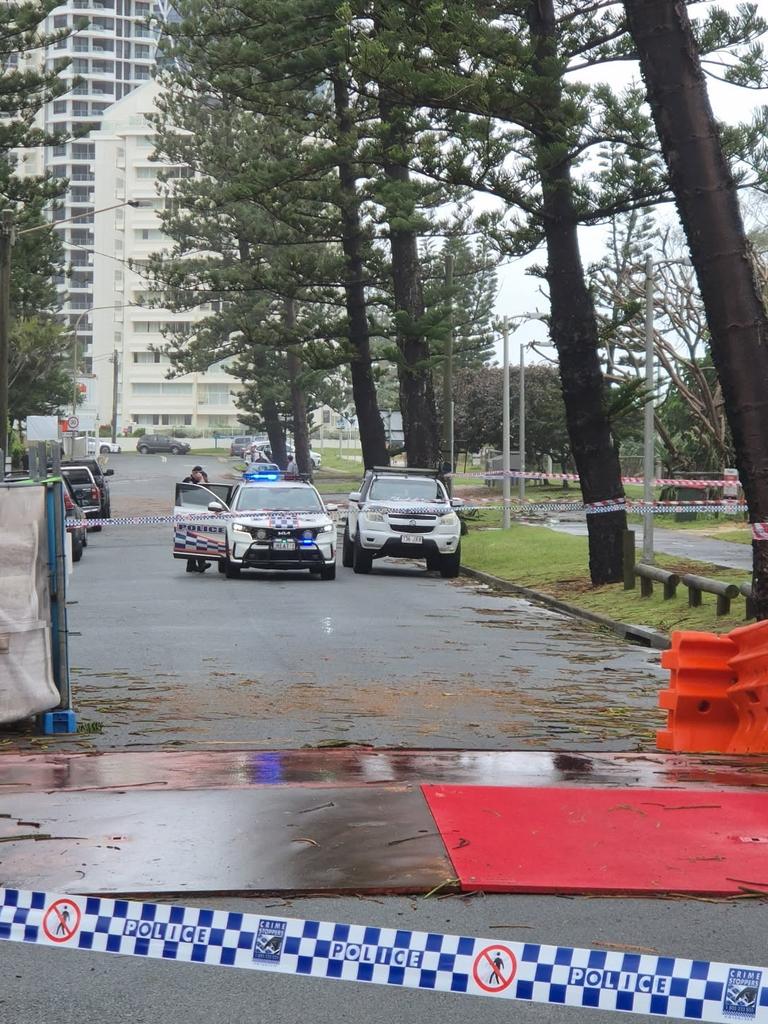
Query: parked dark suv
point(151, 443)
point(100, 476)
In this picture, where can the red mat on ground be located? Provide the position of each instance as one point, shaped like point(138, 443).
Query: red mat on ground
point(503, 839)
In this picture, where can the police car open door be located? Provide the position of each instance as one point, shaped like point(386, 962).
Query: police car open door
point(200, 538)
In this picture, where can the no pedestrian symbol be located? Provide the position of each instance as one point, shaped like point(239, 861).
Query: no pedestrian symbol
point(61, 921)
point(494, 968)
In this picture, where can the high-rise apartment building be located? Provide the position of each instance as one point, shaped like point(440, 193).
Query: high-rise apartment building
point(107, 58)
point(127, 331)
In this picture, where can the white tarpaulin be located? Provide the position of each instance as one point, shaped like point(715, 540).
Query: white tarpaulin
point(26, 672)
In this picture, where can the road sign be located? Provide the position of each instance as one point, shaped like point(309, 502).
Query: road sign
point(73, 422)
point(61, 921)
point(494, 968)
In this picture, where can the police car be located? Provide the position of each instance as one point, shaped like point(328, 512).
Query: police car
point(404, 513)
point(269, 520)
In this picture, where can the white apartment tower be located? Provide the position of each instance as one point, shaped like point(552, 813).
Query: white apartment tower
point(125, 328)
point(112, 55)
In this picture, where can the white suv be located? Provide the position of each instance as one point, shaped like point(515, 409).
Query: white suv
point(405, 513)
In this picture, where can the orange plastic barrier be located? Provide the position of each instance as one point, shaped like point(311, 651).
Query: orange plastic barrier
point(750, 692)
point(701, 715)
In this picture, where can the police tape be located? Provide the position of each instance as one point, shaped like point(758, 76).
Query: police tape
point(634, 982)
point(517, 474)
point(515, 508)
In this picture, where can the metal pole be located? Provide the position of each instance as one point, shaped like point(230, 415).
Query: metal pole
point(521, 431)
point(115, 365)
point(448, 372)
point(6, 241)
point(648, 431)
point(505, 517)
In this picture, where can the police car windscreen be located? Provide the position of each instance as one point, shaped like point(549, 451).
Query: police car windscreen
point(279, 499)
point(389, 489)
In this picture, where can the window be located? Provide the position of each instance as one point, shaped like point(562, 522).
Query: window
point(59, 151)
point(84, 151)
point(142, 50)
point(146, 172)
point(169, 388)
point(146, 357)
point(182, 171)
point(59, 21)
point(60, 107)
point(80, 66)
point(148, 234)
point(141, 73)
point(214, 394)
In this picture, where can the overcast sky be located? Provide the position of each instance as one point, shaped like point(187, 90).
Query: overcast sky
point(520, 293)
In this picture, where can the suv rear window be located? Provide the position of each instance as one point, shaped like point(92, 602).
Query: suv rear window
point(77, 476)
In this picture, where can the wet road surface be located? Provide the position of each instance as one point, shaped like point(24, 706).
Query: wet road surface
point(398, 658)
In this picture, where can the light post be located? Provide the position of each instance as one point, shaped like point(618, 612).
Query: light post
point(648, 424)
point(505, 490)
point(448, 375)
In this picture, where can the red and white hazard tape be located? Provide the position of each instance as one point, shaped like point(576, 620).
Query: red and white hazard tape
point(516, 474)
point(759, 531)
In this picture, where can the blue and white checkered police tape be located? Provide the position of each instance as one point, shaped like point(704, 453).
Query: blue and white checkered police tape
point(633, 982)
point(515, 508)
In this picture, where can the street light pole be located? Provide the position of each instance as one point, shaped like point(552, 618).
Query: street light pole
point(505, 489)
point(648, 424)
point(521, 430)
point(448, 374)
point(6, 241)
point(114, 395)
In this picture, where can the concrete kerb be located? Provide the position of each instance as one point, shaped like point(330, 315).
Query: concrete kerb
point(642, 635)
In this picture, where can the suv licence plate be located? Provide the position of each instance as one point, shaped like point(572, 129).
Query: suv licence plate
point(412, 538)
point(284, 544)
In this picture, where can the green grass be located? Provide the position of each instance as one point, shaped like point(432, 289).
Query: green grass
point(556, 564)
point(735, 536)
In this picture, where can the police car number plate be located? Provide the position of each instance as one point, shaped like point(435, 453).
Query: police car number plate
point(284, 544)
point(412, 538)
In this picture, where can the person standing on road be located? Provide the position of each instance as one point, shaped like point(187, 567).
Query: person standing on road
point(292, 469)
point(197, 476)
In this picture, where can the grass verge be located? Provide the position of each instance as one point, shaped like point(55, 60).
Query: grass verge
point(556, 564)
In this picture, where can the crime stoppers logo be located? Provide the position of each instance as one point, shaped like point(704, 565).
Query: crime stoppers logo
point(268, 947)
point(741, 993)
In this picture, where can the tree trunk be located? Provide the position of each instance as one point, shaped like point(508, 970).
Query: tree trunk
point(373, 439)
point(298, 398)
point(708, 207)
point(417, 395)
point(275, 431)
point(573, 326)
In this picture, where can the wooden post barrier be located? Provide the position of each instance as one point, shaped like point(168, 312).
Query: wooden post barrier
point(725, 592)
point(628, 541)
point(650, 574)
point(746, 590)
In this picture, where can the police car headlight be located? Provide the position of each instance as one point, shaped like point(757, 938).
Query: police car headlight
point(240, 528)
point(328, 528)
point(375, 517)
point(451, 519)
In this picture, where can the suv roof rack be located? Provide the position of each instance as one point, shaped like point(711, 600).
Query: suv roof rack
point(406, 471)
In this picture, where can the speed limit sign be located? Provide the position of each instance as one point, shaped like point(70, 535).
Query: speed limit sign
point(72, 422)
